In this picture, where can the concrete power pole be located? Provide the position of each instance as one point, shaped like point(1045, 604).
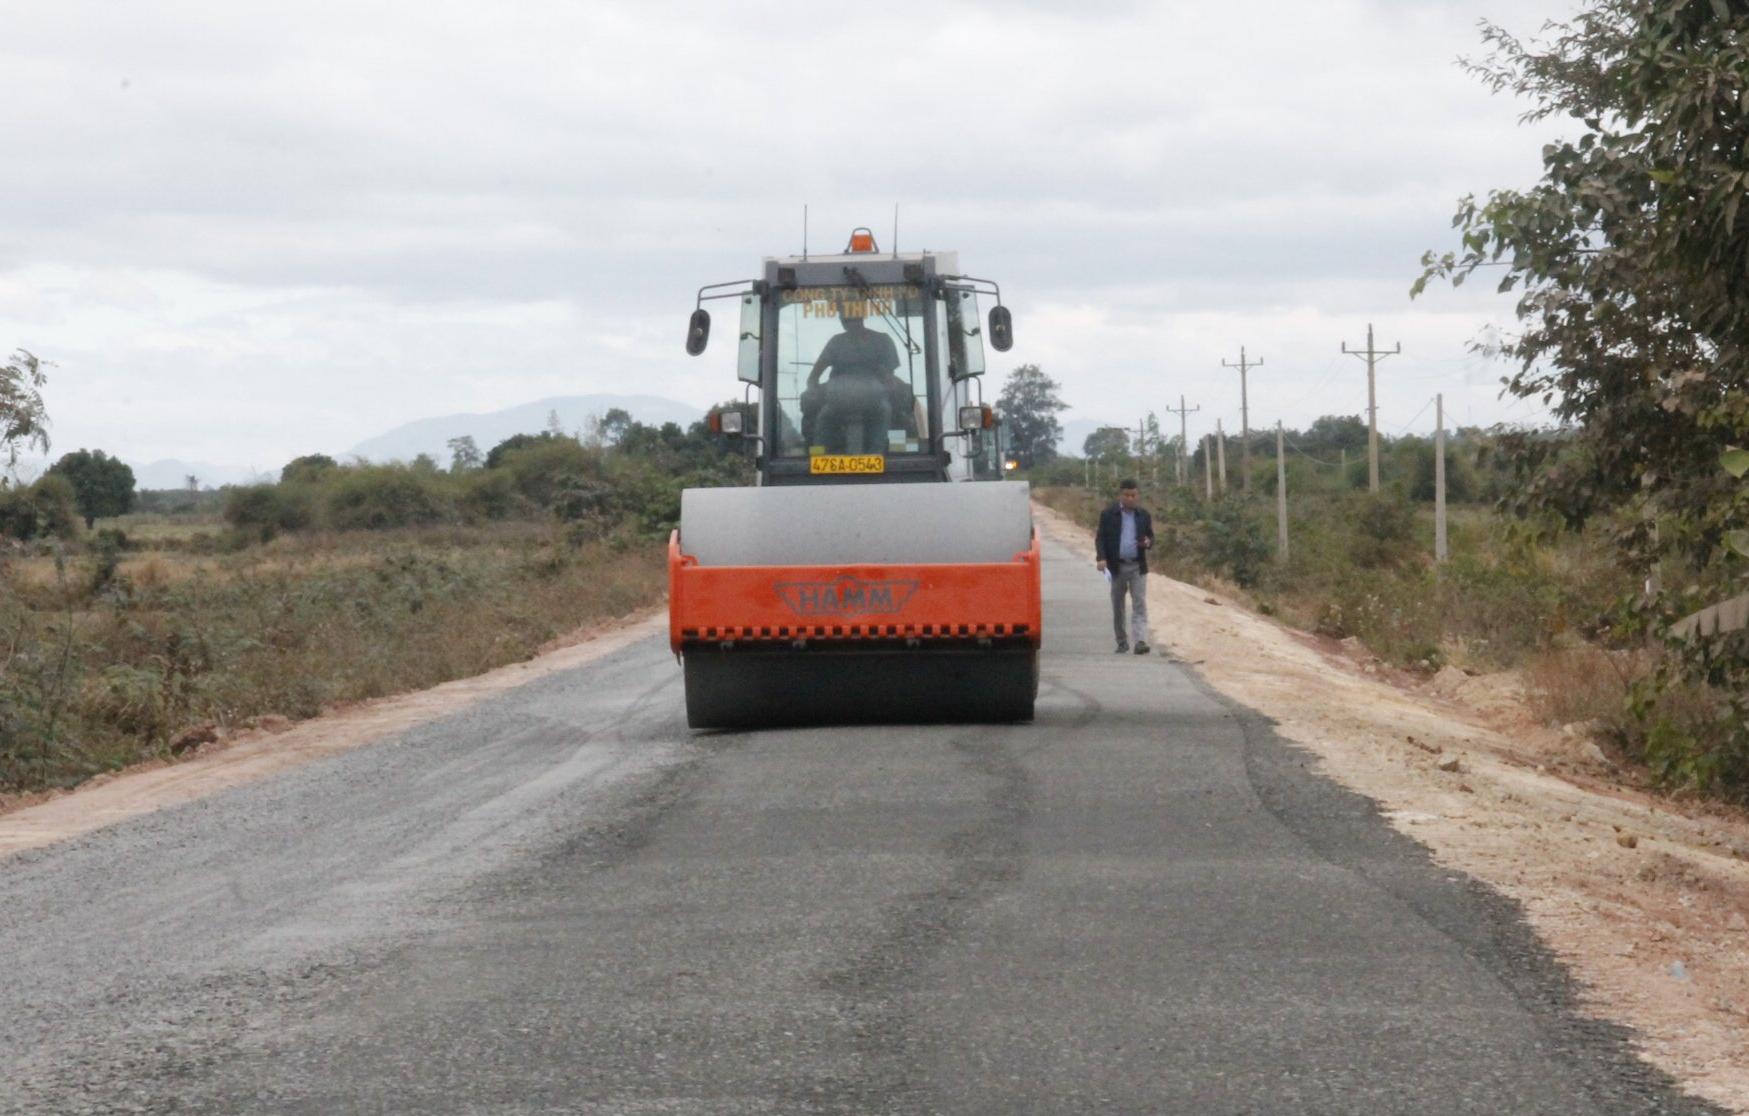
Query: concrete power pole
point(1183, 436)
point(1372, 356)
point(1439, 549)
point(1244, 366)
point(1208, 467)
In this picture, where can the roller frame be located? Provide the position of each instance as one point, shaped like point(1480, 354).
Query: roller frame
point(888, 642)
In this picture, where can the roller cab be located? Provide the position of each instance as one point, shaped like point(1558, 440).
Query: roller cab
point(875, 573)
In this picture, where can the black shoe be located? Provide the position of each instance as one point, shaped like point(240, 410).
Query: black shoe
point(1122, 648)
point(1141, 649)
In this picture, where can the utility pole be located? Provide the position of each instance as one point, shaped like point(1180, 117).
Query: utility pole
point(1280, 492)
point(1439, 550)
point(1244, 366)
point(1208, 467)
point(1141, 445)
point(1372, 356)
point(1183, 435)
point(1221, 444)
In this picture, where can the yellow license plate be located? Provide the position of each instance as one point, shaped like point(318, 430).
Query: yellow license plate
point(847, 463)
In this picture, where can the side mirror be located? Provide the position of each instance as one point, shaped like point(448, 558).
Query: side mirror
point(1001, 329)
point(698, 331)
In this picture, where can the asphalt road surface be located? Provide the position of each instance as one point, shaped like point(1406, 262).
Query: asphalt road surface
point(561, 901)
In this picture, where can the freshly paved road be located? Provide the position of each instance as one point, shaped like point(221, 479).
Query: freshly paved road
point(561, 901)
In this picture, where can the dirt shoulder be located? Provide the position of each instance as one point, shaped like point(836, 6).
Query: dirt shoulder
point(1647, 901)
point(27, 823)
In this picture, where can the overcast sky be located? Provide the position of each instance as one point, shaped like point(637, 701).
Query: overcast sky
point(247, 231)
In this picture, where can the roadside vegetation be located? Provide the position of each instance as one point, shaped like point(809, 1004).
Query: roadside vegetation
point(1361, 566)
point(158, 629)
point(1605, 555)
point(1591, 629)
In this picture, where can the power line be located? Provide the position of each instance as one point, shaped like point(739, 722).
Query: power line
point(1404, 428)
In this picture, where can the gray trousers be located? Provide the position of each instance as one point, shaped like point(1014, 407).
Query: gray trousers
point(1127, 577)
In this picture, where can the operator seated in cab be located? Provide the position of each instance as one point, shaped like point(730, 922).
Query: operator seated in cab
point(854, 411)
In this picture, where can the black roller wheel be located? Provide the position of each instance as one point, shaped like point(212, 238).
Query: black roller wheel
point(754, 689)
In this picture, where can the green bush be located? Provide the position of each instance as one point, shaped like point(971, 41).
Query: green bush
point(1384, 531)
point(45, 509)
point(310, 467)
point(375, 497)
point(1234, 543)
point(1418, 461)
point(543, 468)
point(262, 511)
point(490, 495)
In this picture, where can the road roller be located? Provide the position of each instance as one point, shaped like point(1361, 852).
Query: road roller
point(881, 569)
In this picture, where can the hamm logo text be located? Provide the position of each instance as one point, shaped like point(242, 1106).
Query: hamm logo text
point(846, 596)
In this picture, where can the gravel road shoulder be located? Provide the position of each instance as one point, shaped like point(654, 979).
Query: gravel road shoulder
point(1647, 901)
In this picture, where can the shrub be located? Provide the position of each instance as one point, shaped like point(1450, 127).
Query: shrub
point(1234, 543)
point(1418, 461)
point(490, 494)
point(1384, 531)
point(310, 467)
point(543, 467)
point(496, 455)
point(374, 497)
point(46, 508)
point(262, 511)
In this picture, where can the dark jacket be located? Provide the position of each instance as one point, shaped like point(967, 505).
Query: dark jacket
point(1111, 532)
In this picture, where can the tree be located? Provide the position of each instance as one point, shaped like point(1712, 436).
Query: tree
point(1630, 256)
point(1030, 404)
point(102, 485)
point(311, 466)
point(24, 421)
point(495, 456)
point(1107, 444)
point(1334, 433)
point(614, 425)
point(464, 454)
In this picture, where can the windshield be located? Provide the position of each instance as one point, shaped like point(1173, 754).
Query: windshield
point(851, 371)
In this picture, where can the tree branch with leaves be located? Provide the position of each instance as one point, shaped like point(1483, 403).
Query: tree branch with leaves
point(24, 420)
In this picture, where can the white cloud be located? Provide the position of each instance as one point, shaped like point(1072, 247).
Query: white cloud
point(245, 232)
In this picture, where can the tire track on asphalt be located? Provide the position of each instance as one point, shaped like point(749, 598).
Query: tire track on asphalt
point(875, 984)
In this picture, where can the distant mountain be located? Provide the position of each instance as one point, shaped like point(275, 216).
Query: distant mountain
point(432, 435)
point(171, 473)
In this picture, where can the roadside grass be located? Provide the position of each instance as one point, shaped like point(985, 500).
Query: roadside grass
point(1362, 567)
point(109, 658)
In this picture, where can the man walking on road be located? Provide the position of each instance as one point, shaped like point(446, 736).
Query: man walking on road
point(1120, 550)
